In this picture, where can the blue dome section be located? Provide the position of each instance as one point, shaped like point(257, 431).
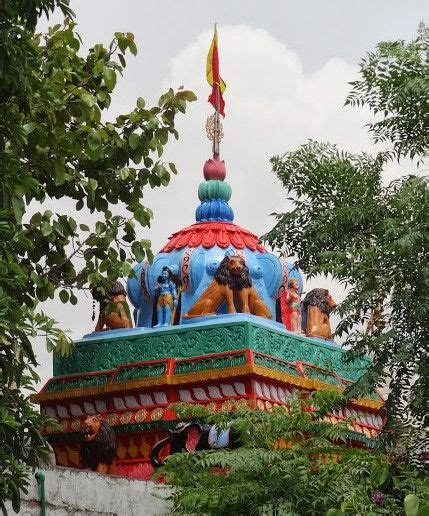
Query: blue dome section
point(195, 268)
point(214, 210)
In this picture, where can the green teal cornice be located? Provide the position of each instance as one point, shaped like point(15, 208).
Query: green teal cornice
point(107, 350)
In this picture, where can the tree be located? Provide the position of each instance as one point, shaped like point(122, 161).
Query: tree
point(395, 87)
point(291, 462)
point(372, 238)
point(55, 144)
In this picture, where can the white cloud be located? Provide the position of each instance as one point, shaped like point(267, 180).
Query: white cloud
point(272, 106)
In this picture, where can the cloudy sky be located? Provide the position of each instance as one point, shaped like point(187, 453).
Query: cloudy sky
point(286, 65)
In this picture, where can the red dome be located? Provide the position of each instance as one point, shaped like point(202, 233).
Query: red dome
point(209, 234)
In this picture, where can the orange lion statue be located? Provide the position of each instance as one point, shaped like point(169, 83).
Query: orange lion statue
point(120, 316)
point(232, 284)
point(98, 446)
point(316, 308)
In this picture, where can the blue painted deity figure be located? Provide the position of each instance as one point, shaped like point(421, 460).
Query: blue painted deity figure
point(167, 299)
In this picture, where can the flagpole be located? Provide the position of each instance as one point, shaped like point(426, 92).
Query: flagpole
point(213, 125)
point(216, 143)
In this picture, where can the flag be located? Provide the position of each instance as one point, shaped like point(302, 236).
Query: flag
point(214, 78)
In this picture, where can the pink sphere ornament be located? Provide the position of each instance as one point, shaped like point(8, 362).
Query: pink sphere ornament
point(214, 169)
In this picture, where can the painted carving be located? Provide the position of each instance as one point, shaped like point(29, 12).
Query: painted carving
point(232, 284)
point(290, 305)
point(194, 437)
point(316, 308)
point(167, 298)
point(98, 446)
point(143, 281)
point(184, 268)
point(119, 316)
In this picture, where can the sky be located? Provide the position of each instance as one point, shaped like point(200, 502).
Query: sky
point(287, 66)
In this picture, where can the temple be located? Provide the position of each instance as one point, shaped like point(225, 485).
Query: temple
point(217, 321)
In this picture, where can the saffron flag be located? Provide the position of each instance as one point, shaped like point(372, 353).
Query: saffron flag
point(214, 78)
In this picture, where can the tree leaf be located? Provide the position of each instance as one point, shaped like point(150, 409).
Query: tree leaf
point(64, 296)
point(109, 77)
point(124, 173)
point(134, 140)
point(133, 48)
point(46, 228)
point(173, 168)
point(411, 505)
point(18, 208)
point(379, 474)
point(94, 140)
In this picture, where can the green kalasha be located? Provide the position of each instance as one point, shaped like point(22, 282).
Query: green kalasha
point(106, 352)
point(214, 190)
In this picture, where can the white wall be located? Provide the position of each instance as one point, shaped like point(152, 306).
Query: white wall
point(74, 492)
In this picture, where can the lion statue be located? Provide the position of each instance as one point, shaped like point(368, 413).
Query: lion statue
point(232, 284)
point(315, 309)
point(120, 316)
point(98, 446)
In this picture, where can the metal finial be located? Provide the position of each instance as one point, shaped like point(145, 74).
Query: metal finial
point(214, 128)
point(214, 131)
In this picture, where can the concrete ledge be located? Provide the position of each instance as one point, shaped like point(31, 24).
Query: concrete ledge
point(74, 492)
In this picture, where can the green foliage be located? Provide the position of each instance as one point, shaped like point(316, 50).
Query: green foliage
point(56, 143)
point(22, 443)
point(292, 462)
point(394, 84)
point(345, 222)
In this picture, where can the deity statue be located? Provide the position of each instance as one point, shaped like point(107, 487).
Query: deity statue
point(291, 307)
point(167, 298)
point(119, 316)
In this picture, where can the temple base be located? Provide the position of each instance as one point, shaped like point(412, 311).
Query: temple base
point(132, 377)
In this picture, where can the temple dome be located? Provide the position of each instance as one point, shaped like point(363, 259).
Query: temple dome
point(194, 253)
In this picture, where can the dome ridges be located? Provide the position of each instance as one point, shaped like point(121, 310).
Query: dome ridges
point(209, 234)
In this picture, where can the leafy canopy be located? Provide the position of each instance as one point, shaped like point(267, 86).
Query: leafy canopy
point(373, 238)
point(57, 142)
point(394, 84)
point(292, 462)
